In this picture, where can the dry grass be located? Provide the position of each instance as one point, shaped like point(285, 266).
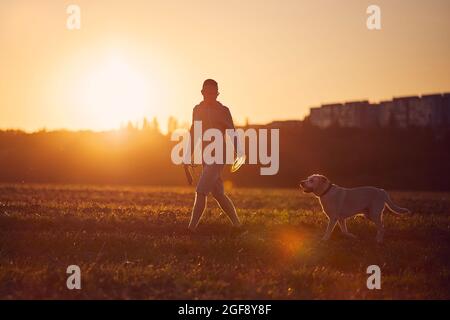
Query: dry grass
point(130, 242)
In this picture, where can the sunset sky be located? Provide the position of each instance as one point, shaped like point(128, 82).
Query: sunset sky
point(272, 59)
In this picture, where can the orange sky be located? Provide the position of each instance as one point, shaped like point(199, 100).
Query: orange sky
point(272, 59)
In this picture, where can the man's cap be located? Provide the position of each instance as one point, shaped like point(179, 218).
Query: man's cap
point(210, 82)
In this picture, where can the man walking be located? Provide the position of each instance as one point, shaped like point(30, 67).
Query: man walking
point(212, 114)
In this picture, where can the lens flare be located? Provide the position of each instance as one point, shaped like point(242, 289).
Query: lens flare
point(291, 242)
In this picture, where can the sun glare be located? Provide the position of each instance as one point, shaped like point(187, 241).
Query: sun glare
point(114, 93)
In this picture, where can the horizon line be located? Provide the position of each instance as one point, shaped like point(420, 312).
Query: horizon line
point(125, 124)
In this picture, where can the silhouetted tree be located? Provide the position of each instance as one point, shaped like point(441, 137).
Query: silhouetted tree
point(155, 125)
point(145, 124)
point(172, 125)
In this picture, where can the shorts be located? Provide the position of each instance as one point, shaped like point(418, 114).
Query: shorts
point(211, 180)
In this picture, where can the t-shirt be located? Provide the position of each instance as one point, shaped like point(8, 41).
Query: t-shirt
point(213, 115)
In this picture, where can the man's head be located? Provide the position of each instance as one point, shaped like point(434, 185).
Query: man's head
point(210, 90)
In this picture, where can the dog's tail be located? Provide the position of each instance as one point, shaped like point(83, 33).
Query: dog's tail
point(395, 208)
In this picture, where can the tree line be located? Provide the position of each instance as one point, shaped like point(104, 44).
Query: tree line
point(392, 158)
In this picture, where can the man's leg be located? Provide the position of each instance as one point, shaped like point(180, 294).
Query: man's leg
point(227, 206)
point(197, 210)
point(202, 190)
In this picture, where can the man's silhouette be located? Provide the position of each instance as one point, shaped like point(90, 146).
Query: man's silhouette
point(212, 114)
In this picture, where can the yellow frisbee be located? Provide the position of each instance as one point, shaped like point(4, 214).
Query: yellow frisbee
point(238, 163)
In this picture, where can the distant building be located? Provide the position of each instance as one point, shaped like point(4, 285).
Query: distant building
point(419, 114)
point(385, 118)
point(326, 115)
point(403, 112)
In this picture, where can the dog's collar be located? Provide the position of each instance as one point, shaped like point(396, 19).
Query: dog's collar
point(326, 190)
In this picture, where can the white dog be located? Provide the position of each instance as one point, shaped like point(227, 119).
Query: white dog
point(339, 203)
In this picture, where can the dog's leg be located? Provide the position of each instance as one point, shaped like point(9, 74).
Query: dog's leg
point(376, 215)
point(380, 229)
point(331, 224)
point(343, 226)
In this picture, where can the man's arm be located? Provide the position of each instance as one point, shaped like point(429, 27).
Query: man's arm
point(229, 120)
point(229, 124)
point(191, 133)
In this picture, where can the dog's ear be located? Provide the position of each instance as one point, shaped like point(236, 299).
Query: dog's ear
point(323, 183)
point(324, 179)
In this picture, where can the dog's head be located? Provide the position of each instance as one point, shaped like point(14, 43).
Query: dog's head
point(315, 183)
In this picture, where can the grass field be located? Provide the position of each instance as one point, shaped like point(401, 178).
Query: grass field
point(131, 242)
